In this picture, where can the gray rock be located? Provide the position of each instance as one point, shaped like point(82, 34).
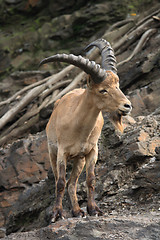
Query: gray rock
point(128, 228)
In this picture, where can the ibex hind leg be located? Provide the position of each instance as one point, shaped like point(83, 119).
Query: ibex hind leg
point(60, 186)
point(91, 160)
point(53, 159)
point(59, 175)
point(78, 166)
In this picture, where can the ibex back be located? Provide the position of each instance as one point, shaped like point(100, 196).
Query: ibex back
point(76, 124)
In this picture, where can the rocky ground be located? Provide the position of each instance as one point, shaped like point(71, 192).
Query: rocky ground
point(32, 30)
point(128, 169)
point(108, 227)
point(128, 187)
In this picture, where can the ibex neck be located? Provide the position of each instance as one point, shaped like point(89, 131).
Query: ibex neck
point(88, 114)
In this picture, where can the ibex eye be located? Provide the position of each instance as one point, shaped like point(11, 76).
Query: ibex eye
point(103, 91)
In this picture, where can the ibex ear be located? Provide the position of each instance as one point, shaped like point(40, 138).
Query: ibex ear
point(89, 82)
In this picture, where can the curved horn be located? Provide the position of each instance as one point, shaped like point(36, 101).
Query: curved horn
point(90, 67)
point(107, 53)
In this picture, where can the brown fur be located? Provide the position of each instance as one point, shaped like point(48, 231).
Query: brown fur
point(73, 131)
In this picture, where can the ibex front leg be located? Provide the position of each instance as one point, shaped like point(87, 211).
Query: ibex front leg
point(91, 160)
point(60, 186)
point(72, 186)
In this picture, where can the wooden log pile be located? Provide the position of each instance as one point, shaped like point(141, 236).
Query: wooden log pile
point(128, 38)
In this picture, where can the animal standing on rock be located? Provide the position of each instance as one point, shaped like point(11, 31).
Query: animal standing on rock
point(76, 124)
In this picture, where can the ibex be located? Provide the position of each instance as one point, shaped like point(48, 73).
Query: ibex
point(76, 124)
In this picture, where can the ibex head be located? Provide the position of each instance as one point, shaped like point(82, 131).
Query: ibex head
point(103, 82)
point(108, 95)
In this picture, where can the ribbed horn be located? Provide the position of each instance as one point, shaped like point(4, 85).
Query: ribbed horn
point(107, 54)
point(90, 67)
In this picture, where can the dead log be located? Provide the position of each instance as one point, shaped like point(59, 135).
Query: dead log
point(8, 116)
point(114, 35)
point(145, 37)
point(130, 38)
point(54, 87)
point(15, 128)
point(27, 116)
point(146, 18)
point(51, 80)
point(119, 24)
point(18, 107)
point(19, 131)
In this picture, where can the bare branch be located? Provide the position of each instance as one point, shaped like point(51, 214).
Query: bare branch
point(26, 100)
point(145, 19)
point(128, 39)
point(119, 24)
point(54, 87)
point(70, 87)
point(18, 131)
point(145, 37)
point(51, 80)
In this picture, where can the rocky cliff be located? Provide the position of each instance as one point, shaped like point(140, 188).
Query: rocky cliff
point(127, 172)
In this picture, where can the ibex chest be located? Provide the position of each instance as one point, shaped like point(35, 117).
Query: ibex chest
point(79, 150)
point(81, 147)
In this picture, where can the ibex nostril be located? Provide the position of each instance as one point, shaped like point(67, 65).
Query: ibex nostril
point(127, 106)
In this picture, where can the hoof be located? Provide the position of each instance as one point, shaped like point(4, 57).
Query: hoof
point(94, 211)
point(57, 214)
point(78, 213)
